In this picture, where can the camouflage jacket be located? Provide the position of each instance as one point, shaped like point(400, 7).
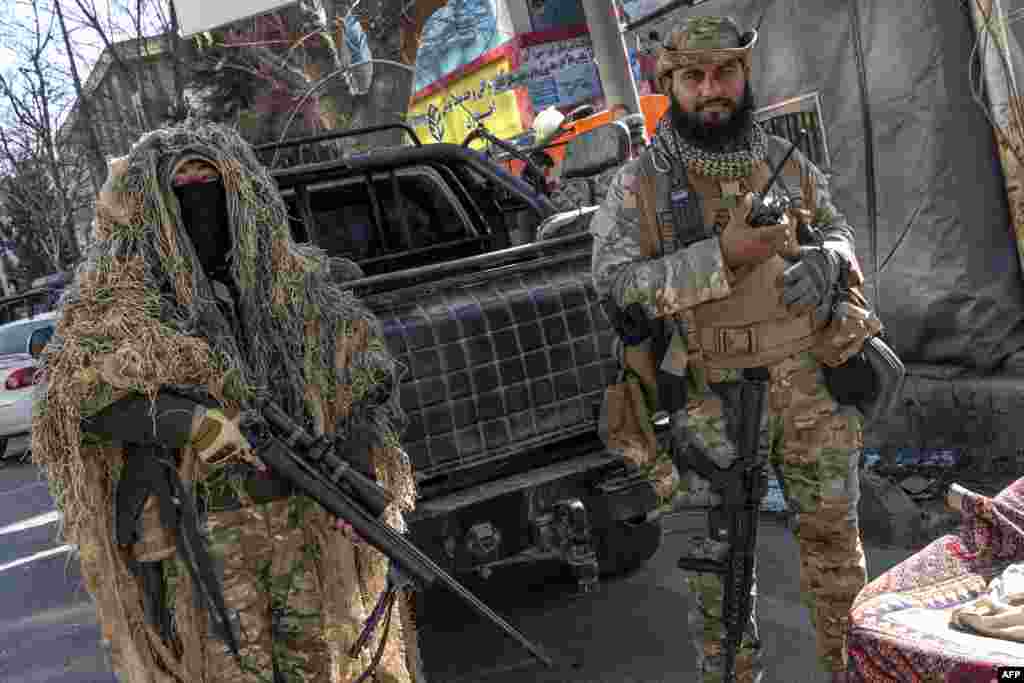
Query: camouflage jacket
point(687, 277)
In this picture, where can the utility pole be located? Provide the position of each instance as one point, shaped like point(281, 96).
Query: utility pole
point(611, 56)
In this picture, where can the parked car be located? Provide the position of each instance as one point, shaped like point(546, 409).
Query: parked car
point(20, 344)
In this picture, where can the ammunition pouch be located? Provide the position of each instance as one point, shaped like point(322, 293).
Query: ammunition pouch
point(626, 425)
point(156, 542)
point(870, 380)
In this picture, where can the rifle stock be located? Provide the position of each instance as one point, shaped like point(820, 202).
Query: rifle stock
point(410, 560)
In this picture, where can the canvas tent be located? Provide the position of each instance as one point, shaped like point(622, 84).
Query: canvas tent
point(948, 285)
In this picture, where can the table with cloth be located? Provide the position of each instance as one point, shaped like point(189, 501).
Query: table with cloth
point(900, 623)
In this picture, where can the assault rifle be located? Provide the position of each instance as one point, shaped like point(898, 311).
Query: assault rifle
point(313, 467)
point(741, 487)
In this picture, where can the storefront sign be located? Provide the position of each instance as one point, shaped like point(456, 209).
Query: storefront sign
point(560, 73)
point(444, 115)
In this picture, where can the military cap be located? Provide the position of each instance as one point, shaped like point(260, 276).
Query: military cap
point(703, 40)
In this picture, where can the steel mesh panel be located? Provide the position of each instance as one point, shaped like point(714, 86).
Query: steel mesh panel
point(499, 366)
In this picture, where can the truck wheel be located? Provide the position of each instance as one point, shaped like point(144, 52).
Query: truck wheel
point(626, 546)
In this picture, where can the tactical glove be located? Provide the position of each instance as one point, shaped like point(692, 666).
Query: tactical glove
point(217, 439)
point(810, 282)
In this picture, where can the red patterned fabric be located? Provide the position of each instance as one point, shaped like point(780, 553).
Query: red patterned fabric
point(899, 623)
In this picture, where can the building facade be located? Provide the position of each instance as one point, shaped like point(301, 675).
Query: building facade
point(124, 105)
point(508, 60)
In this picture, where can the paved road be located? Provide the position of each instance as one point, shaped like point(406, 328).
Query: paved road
point(633, 630)
point(48, 628)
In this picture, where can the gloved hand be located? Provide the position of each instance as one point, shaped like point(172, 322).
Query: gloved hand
point(809, 283)
point(743, 245)
point(218, 440)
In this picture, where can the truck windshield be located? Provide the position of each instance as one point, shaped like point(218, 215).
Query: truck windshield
point(386, 217)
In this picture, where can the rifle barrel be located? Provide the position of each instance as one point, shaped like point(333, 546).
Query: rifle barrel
point(744, 523)
point(368, 492)
point(381, 536)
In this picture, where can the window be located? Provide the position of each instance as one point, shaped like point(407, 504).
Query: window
point(368, 220)
point(345, 224)
point(430, 210)
point(499, 206)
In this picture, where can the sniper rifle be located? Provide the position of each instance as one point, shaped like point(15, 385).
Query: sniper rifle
point(313, 468)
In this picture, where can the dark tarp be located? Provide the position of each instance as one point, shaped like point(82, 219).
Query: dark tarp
point(950, 289)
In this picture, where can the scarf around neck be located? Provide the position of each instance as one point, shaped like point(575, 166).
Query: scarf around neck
point(737, 160)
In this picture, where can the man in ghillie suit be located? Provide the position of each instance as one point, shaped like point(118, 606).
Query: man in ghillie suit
point(193, 302)
point(672, 246)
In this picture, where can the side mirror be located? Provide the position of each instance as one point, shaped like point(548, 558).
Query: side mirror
point(594, 152)
point(38, 341)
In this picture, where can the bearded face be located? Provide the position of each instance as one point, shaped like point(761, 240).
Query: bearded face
point(712, 104)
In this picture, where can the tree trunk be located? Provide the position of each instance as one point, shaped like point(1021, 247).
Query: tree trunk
point(179, 80)
point(97, 161)
point(132, 76)
point(66, 216)
point(393, 36)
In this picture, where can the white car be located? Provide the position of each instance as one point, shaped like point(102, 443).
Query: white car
point(20, 344)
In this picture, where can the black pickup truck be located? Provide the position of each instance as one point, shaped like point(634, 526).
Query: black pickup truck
point(485, 294)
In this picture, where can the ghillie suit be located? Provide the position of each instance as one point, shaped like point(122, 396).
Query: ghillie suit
point(140, 320)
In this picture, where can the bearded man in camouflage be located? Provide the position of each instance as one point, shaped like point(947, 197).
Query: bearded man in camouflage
point(672, 237)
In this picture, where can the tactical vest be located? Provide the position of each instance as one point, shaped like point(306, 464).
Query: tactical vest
point(750, 327)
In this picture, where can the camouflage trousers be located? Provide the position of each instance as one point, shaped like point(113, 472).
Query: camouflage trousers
point(814, 446)
point(301, 591)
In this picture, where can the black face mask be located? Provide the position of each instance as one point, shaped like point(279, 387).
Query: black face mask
point(205, 216)
point(712, 138)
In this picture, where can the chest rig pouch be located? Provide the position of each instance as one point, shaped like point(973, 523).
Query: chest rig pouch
point(643, 387)
point(679, 218)
point(679, 210)
point(749, 328)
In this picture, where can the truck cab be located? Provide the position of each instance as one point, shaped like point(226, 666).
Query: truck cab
point(506, 348)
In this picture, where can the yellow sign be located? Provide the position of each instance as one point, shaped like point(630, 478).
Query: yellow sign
point(444, 116)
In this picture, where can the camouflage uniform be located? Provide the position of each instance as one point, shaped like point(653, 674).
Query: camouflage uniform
point(814, 443)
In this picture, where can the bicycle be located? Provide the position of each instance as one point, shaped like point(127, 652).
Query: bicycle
point(531, 172)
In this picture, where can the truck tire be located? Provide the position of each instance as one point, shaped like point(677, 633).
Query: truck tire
point(623, 547)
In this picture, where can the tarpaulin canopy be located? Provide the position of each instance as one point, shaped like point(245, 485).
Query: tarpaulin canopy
point(949, 285)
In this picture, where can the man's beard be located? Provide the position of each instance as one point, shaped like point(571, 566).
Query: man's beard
point(692, 126)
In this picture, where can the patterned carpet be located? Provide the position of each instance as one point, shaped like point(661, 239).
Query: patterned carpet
point(900, 628)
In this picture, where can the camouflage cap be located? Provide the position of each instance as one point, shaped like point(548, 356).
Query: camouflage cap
point(702, 40)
